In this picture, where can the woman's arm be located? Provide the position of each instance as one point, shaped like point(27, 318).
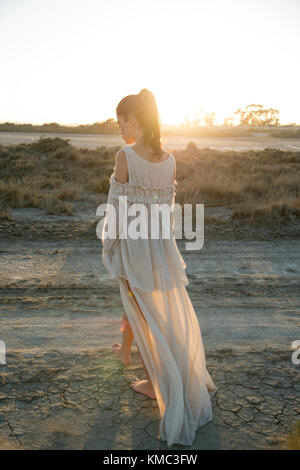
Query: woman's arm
point(174, 175)
point(114, 204)
point(121, 170)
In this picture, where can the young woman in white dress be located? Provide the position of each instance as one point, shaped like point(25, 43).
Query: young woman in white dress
point(158, 313)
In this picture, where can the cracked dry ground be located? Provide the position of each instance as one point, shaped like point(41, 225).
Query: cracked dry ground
point(63, 400)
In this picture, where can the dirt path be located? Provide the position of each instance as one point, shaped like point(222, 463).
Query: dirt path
point(84, 401)
point(57, 294)
point(62, 387)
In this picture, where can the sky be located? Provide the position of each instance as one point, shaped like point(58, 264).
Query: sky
point(71, 61)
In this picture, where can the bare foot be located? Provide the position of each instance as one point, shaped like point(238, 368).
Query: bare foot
point(124, 356)
point(144, 387)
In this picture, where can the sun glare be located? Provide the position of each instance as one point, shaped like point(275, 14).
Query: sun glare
point(196, 57)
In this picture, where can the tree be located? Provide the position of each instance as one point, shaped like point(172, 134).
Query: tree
point(228, 121)
point(255, 115)
point(209, 119)
point(194, 120)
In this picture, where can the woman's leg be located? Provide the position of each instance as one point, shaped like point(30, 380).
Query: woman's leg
point(149, 378)
point(142, 386)
point(128, 337)
point(123, 350)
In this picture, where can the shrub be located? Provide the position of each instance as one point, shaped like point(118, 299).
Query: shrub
point(68, 154)
point(191, 147)
point(16, 194)
point(68, 194)
point(270, 213)
point(52, 205)
point(48, 145)
point(99, 185)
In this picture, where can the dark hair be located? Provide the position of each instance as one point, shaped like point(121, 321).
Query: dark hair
point(143, 106)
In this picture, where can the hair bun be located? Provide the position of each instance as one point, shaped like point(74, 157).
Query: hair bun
point(145, 93)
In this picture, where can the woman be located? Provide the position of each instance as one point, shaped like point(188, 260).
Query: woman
point(152, 279)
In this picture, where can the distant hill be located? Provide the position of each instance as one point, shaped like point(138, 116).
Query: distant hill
point(106, 127)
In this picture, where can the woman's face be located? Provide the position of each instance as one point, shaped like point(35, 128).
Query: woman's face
point(128, 128)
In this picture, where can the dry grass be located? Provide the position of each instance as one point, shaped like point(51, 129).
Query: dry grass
point(282, 212)
point(294, 437)
point(99, 185)
point(68, 194)
point(263, 187)
point(52, 205)
point(15, 193)
point(51, 174)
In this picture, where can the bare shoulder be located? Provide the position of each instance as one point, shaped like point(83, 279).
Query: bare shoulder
point(165, 152)
point(174, 160)
point(121, 170)
point(170, 154)
point(120, 156)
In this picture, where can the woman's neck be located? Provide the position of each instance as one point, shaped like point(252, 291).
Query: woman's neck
point(140, 144)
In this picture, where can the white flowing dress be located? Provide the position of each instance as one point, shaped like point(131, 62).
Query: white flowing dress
point(160, 312)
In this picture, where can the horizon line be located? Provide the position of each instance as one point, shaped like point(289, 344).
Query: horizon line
point(162, 124)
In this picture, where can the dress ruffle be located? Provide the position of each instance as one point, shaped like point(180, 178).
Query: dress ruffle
point(144, 194)
point(148, 264)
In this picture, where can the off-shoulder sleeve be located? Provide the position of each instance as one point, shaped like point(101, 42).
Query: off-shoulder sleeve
point(112, 226)
point(134, 194)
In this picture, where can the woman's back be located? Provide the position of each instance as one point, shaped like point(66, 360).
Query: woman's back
point(145, 173)
point(151, 184)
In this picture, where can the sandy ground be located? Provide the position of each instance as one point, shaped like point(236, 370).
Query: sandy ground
point(63, 388)
point(258, 141)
